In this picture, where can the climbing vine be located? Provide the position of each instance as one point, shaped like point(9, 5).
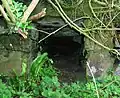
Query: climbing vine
point(102, 26)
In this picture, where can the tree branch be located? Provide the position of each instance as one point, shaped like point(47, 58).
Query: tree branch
point(7, 7)
point(4, 14)
point(29, 10)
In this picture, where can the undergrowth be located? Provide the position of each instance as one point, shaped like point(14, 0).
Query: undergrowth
point(42, 82)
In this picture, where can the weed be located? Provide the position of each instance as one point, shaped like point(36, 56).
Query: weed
point(4, 91)
point(42, 81)
point(18, 10)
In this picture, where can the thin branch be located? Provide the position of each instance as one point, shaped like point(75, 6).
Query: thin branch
point(112, 19)
point(116, 6)
point(104, 4)
point(77, 28)
point(49, 34)
point(95, 14)
point(93, 79)
point(102, 29)
point(79, 2)
point(52, 33)
point(40, 31)
point(108, 84)
point(100, 2)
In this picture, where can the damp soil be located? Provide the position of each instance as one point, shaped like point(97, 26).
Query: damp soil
point(69, 70)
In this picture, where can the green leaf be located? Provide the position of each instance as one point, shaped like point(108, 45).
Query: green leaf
point(29, 27)
point(38, 63)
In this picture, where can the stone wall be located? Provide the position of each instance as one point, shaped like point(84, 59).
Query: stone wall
point(14, 50)
point(100, 59)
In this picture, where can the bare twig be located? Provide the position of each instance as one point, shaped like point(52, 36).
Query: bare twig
point(40, 31)
point(112, 19)
point(77, 28)
point(49, 34)
point(95, 14)
point(104, 4)
point(39, 15)
point(100, 2)
point(93, 79)
point(52, 33)
point(102, 29)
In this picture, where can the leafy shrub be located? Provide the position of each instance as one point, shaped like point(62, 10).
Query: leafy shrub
point(51, 88)
point(42, 81)
point(4, 91)
point(18, 9)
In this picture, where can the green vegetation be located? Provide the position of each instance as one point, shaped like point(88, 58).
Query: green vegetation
point(18, 10)
point(14, 13)
point(4, 91)
point(42, 82)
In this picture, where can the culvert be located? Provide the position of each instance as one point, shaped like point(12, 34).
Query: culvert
point(67, 54)
point(65, 47)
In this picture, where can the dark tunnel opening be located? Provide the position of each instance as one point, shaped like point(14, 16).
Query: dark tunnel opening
point(67, 54)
